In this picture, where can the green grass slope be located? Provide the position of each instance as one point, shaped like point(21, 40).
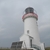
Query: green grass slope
point(47, 48)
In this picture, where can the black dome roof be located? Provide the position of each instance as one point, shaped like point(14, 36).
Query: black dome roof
point(29, 10)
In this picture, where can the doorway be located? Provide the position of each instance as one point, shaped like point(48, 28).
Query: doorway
point(31, 43)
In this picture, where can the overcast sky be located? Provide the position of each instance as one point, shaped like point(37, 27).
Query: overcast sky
point(11, 24)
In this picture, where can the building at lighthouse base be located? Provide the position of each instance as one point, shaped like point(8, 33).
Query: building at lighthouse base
point(30, 43)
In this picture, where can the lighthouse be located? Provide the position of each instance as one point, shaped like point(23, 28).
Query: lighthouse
point(30, 23)
point(30, 36)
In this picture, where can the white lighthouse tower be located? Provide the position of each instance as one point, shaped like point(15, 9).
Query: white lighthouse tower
point(30, 37)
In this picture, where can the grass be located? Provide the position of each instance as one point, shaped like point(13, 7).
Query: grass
point(47, 48)
point(4, 49)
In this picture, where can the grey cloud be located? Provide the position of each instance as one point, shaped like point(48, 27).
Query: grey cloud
point(45, 36)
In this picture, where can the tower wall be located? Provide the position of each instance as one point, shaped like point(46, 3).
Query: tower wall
point(31, 28)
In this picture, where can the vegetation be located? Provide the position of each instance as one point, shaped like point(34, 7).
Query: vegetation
point(47, 48)
point(4, 49)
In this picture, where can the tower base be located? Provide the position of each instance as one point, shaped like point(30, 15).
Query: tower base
point(27, 44)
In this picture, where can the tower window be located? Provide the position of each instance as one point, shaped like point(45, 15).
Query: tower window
point(27, 31)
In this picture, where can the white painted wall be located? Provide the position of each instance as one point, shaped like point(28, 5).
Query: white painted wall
point(42, 46)
point(31, 25)
point(25, 40)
